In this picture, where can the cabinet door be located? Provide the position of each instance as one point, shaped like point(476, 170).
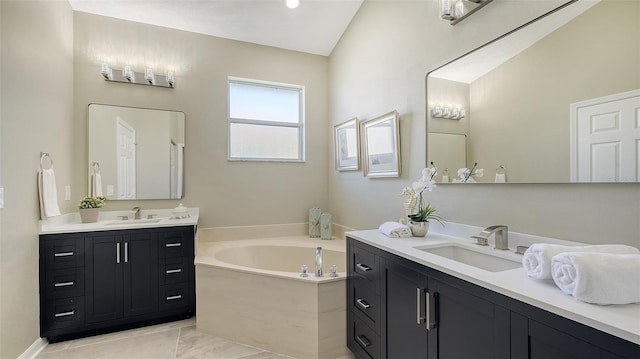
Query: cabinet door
point(479, 324)
point(404, 306)
point(140, 277)
point(103, 266)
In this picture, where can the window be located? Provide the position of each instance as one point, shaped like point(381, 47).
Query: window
point(265, 121)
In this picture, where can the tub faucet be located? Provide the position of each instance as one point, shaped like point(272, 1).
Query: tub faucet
point(319, 262)
point(502, 236)
point(136, 212)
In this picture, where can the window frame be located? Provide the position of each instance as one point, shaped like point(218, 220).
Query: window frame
point(300, 125)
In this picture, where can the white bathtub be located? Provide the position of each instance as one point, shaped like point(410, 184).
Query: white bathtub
point(250, 291)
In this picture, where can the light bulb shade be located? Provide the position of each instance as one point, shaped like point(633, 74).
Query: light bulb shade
point(149, 76)
point(446, 9)
point(106, 71)
point(128, 73)
point(170, 79)
point(292, 4)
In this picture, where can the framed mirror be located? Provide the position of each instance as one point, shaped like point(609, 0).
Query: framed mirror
point(347, 145)
point(135, 153)
point(522, 100)
point(381, 152)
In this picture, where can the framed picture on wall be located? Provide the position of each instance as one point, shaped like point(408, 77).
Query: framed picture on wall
point(347, 142)
point(381, 138)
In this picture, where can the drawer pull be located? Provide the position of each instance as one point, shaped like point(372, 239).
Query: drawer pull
point(363, 267)
point(64, 284)
point(363, 303)
point(174, 297)
point(171, 271)
point(168, 245)
point(65, 314)
point(63, 254)
point(362, 340)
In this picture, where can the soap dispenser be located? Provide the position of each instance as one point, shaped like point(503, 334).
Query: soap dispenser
point(180, 212)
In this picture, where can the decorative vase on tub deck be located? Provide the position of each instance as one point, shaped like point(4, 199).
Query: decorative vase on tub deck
point(89, 215)
point(314, 222)
point(419, 229)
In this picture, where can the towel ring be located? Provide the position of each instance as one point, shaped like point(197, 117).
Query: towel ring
point(501, 170)
point(96, 167)
point(44, 156)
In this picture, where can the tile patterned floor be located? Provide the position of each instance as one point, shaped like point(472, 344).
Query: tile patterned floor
point(175, 340)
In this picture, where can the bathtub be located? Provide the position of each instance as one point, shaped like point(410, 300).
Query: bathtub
point(250, 291)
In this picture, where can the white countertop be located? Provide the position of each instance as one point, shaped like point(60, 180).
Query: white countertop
point(109, 220)
point(619, 320)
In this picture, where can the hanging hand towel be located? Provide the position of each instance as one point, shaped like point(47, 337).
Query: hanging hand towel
point(598, 278)
point(500, 178)
point(48, 193)
point(537, 259)
point(395, 230)
point(96, 185)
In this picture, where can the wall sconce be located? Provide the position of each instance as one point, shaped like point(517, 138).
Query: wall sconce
point(452, 113)
point(128, 75)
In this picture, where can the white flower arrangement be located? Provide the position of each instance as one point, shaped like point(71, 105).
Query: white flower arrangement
point(466, 174)
point(414, 206)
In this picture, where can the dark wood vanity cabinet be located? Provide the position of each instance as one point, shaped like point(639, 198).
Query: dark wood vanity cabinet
point(424, 313)
point(100, 281)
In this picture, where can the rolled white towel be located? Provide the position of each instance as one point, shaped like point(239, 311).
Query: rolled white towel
point(537, 259)
point(598, 278)
point(395, 230)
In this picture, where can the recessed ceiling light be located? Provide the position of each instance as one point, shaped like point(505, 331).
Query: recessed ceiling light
point(292, 4)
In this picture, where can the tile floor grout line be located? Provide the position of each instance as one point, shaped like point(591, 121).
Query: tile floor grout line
point(175, 352)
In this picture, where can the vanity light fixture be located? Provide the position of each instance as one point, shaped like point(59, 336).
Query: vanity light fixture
point(452, 113)
point(457, 10)
point(128, 75)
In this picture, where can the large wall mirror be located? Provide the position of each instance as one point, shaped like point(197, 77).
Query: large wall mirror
point(135, 153)
point(555, 101)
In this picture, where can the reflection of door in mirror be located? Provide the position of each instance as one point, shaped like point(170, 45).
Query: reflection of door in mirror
point(448, 152)
point(140, 151)
point(126, 153)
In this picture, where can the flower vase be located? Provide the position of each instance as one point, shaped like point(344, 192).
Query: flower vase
point(419, 229)
point(89, 215)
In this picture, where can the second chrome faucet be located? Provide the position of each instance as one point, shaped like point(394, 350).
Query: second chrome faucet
point(501, 233)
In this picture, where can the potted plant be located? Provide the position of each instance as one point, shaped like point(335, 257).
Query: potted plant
point(89, 208)
point(416, 210)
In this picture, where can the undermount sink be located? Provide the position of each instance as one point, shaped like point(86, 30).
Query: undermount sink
point(131, 222)
point(478, 259)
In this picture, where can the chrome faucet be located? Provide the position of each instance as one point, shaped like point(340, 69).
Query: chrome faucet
point(136, 212)
point(501, 234)
point(319, 262)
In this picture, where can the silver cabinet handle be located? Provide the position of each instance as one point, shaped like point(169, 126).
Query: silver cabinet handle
point(431, 311)
point(64, 284)
point(174, 297)
point(419, 318)
point(126, 252)
point(171, 271)
point(363, 267)
point(65, 314)
point(363, 340)
point(363, 304)
point(168, 245)
point(117, 252)
point(63, 254)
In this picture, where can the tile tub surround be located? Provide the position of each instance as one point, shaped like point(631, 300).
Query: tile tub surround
point(277, 311)
point(618, 320)
point(70, 222)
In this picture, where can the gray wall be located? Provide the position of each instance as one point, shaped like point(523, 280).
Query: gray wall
point(227, 193)
point(379, 65)
point(36, 115)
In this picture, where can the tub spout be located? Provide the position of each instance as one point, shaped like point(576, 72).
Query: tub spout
point(319, 262)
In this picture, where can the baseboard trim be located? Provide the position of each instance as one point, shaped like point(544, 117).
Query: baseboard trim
point(34, 349)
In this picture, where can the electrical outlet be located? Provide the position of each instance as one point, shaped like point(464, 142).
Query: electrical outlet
point(67, 193)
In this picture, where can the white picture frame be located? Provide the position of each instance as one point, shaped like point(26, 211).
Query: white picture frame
point(381, 146)
point(347, 145)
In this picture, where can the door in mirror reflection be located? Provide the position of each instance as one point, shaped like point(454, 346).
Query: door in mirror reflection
point(137, 153)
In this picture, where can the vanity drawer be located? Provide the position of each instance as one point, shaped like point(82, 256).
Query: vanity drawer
point(366, 302)
point(64, 283)
point(175, 243)
point(64, 313)
point(366, 339)
point(175, 296)
point(175, 270)
point(63, 252)
point(364, 264)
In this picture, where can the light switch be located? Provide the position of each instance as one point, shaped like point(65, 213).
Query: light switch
point(67, 193)
point(109, 190)
point(1, 197)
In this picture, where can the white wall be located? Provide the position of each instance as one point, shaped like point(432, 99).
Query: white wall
point(36, 115)
point(379, 65)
